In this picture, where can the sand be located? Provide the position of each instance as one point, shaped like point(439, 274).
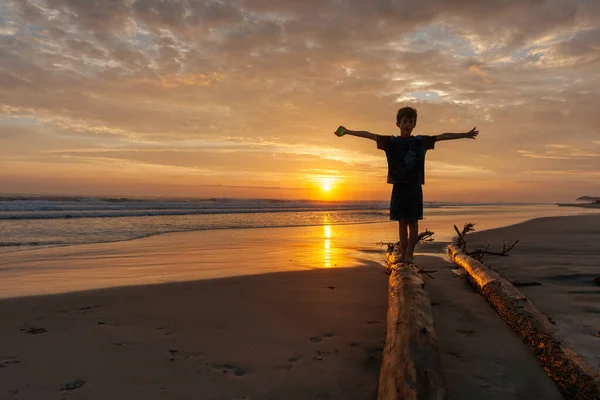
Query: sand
point(563, 254)
point(481, 357)
point(312, 330)
point(295, 335)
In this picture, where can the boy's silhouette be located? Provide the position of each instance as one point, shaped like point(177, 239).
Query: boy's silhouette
point(406, 172)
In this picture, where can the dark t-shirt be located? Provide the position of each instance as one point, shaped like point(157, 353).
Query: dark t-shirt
point(406, 157)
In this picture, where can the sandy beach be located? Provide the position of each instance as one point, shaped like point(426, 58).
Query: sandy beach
point(295, 335)
point(563, 256)
point(294, 313)
point(481, 357)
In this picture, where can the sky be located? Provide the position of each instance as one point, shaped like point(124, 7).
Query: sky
point(240, 98)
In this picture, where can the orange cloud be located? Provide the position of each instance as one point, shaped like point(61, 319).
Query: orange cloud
point(479, 70)
point(176, 81)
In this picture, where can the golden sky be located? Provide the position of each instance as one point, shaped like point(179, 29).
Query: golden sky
point(239, 98)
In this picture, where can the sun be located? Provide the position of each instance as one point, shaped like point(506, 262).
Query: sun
point(326, 187)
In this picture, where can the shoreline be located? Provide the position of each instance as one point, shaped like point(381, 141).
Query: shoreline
point(482, 213)
point(198, 255)
point(583, 205)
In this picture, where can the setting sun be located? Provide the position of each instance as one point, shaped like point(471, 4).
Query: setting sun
point(326, 185)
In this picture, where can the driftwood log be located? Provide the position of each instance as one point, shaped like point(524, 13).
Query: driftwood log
point(572, 375)
point(410, 368)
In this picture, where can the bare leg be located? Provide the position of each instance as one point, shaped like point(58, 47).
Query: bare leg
point(403, 230)
point(412, 239)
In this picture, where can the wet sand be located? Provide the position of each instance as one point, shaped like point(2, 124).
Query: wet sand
point(481, 356)
point(295, 335)
point(563, 255)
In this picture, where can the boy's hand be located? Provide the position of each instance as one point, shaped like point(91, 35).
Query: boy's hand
point(472, 134)
point(341, 131)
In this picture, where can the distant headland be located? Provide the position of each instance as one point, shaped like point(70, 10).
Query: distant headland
point(587, 202)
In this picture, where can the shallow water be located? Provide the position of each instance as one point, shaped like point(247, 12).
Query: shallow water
point(229, 252)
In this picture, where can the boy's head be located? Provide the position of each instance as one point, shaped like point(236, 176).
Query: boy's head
point(406, 120)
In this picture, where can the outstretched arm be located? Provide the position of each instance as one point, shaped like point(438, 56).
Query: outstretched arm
point(472, 134)
point(341, 131)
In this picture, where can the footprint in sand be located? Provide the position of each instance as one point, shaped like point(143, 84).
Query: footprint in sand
point(164, 331)
point(82, 310)
point(9, 361)
point(76, 384)
point(104, 323)
point(88, 309)
point(173, 353)
point(318, 339)
point(321, 355)
point(227, 368)
point(176, 354)
point(33, 331)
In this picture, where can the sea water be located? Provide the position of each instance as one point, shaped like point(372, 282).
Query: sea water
point(30, 222)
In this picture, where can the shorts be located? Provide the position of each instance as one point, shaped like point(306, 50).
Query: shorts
point(407, 202)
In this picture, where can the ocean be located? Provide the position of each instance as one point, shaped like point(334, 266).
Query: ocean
point(64, 244)
point(32, 222)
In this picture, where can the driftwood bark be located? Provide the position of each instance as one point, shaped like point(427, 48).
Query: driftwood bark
point(572, 375)
point(410, 368)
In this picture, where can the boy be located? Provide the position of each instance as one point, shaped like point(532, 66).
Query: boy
point(406, 172)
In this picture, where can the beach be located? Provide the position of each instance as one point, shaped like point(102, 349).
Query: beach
point(294, 335)
point(264, 313)
point(195, 199)
point(561, 256)
point(257, 313)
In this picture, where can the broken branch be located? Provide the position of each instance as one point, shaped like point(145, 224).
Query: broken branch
point(478, 254)
point(427, 272)
point(426, 236)
point(533, 283)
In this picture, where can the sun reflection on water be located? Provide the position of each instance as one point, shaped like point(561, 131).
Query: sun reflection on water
point(327, 232)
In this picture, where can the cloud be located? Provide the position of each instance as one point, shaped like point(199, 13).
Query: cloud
point(162, 73)
point(175, 81)
point(562, 152)
point(543, 156)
